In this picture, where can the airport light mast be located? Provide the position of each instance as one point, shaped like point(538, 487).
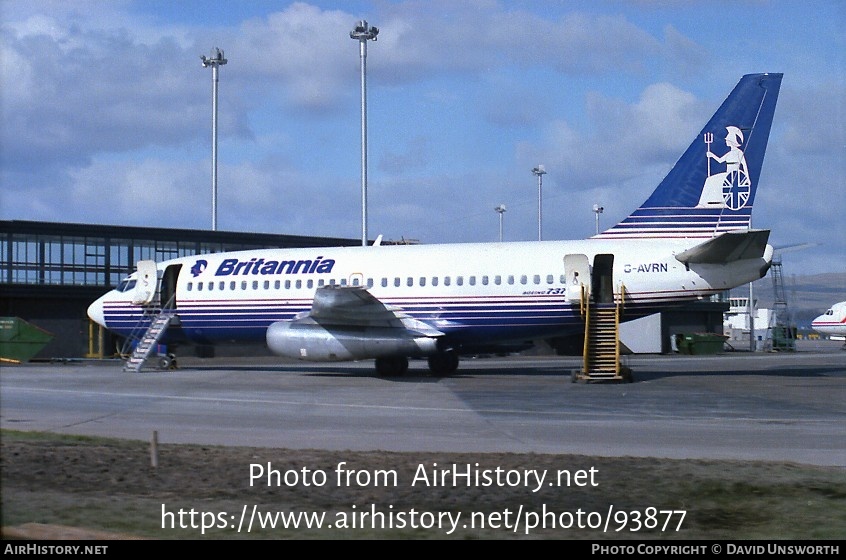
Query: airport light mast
point(362, 33)
point(215, 61)
point(597, 209)
point(539, 171)
point(500, 210)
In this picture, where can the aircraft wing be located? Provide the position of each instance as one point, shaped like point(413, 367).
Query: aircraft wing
point(351, 306)
point(728, 247)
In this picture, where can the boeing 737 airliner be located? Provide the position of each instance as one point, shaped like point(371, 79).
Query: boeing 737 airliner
point(691, 239)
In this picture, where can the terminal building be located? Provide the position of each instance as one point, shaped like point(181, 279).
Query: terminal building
point(51, 272)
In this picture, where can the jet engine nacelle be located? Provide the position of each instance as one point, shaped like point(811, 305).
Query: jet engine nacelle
point(305, 339)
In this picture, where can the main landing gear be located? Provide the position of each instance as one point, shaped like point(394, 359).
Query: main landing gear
point(440, 364)
point(443, 363)
point(391, 366)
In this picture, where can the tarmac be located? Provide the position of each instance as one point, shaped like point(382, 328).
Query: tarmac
point(785, 406)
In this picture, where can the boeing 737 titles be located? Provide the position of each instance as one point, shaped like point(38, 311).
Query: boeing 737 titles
point(691, 239)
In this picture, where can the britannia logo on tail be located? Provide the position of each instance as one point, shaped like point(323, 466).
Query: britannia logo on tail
point(728, 186)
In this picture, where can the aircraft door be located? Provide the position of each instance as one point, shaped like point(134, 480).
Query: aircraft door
point(171, 275)
point(147, 282)
point(577, 274)
point(603, 278)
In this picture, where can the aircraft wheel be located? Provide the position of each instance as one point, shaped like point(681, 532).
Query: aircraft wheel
point(443, 363)
point(167, 362)
point(392, 366)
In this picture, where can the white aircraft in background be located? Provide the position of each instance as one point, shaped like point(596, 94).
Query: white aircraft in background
point(832, 322)
point(691, 239)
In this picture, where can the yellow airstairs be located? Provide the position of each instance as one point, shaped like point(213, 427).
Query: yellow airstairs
point(601, 353)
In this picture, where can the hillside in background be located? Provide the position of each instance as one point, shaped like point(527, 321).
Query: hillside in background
point(807, 295)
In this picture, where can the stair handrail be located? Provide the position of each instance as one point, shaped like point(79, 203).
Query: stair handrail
point(148, 315)
point(582, 299)
point(586, 344)
point(618, 313)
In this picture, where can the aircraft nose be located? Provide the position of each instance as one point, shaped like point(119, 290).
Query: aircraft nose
point(95, 312)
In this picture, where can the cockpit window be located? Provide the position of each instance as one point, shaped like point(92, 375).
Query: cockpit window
point(126, 284)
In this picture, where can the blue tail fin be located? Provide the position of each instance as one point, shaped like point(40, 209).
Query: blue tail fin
point(712, 187)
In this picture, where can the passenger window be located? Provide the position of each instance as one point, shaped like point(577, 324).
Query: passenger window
point(243, 284)
point(549, 279)
point(434, 280)
point(524, 279)
point(232, 285)
point(472, 280)
point(255, 284)
point(370, 282)
point(510, 279)
point(422, 280)
point(222, 285)
point(459, 280)
point(409, 281)
point(396, 282)
point(446, 281)
point(355, 281)
point(267, 284)
point(298, 284)
point(384, 282)
point(211, 286)
point(484, 280)
point(310, 283)
point(287, 284)
point(497, 279)
point(199, 286)
point(190, 286)
point(277, 284)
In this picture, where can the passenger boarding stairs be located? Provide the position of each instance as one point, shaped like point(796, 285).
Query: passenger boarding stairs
point(601, 355)
point(159, 321)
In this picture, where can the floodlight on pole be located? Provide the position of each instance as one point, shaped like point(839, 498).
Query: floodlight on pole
point(500, 210)
point(363, 32)
point(597, 209)
point(539, 171)
point(215, 61)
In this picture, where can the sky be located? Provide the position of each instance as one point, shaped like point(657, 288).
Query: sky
point(107, 114)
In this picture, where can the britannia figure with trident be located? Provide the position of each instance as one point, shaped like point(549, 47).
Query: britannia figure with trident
point(731, 187)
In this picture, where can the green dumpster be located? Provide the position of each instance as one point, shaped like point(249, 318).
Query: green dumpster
point(683, 343)
point(20, 341)
point(701, 343)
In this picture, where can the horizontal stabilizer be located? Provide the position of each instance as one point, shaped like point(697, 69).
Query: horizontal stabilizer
point(728, 247)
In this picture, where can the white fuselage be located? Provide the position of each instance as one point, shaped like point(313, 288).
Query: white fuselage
point(833, 321)
point(470, 292)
